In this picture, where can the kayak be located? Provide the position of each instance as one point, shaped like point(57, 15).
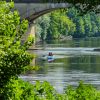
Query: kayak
point(50, 58)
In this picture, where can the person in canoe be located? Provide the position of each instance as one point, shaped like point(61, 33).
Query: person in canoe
point(50, 57)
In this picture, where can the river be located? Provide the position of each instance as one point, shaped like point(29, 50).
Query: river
point(75, 60)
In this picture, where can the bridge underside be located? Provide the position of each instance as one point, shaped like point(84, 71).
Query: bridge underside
point(31, 11)
point(38, 14)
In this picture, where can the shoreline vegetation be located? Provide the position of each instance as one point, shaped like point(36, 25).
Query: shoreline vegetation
point(21, 90)
point(60, 24)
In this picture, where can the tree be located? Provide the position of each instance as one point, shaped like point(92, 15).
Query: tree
point(13, 56)
point(55, 24)
point(84, 6)
point(43, 24)
point(86, 26)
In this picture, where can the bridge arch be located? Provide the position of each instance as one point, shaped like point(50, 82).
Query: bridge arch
point(32, 11)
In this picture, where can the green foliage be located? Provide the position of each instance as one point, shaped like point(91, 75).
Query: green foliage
point(54, 25)
point(69, 23)
point(20, 90)
point(84, 6)
point(17, 90)
point(13, 55)
point(42, 27)
point(60, 25)
point(63, 23)
point(86, 26)
point(83, 92)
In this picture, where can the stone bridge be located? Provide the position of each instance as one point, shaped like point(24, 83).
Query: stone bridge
point(32, 9)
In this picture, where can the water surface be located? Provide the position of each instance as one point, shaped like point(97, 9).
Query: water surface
point(75, 60)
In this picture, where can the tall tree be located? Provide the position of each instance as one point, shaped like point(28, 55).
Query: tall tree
point(44, 22)
point(13, 56)
point(83, 5)
point(57, 24)
point(87, 25)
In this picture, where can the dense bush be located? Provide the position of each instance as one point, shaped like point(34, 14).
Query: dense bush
point(13, 56)
point(83, 92)
point(20, 90)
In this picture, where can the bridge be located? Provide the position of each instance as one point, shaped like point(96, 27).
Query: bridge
point(33, 10)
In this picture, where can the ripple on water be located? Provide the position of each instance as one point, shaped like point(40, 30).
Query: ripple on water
point(59, 52)
point(60, 81)
point(63, 73)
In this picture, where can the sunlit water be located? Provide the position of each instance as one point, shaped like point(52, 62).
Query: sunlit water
point(75, 60)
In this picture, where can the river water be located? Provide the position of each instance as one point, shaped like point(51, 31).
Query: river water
point(75, 60)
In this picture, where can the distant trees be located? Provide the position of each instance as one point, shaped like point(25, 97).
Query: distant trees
point(60, 24)
point(54, 25)
point(43, 23)
point(68, 22)
point(87, 25)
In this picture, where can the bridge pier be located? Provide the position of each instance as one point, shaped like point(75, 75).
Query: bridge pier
point(32, 31)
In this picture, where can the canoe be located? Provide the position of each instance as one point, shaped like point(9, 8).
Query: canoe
point(50, 58)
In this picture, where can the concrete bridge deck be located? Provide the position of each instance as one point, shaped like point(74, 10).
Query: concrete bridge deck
point(31, 11)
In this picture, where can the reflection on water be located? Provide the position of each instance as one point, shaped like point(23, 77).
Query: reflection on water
point(75, 60)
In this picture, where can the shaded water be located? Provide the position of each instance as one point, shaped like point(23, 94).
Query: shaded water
point(75, 60)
